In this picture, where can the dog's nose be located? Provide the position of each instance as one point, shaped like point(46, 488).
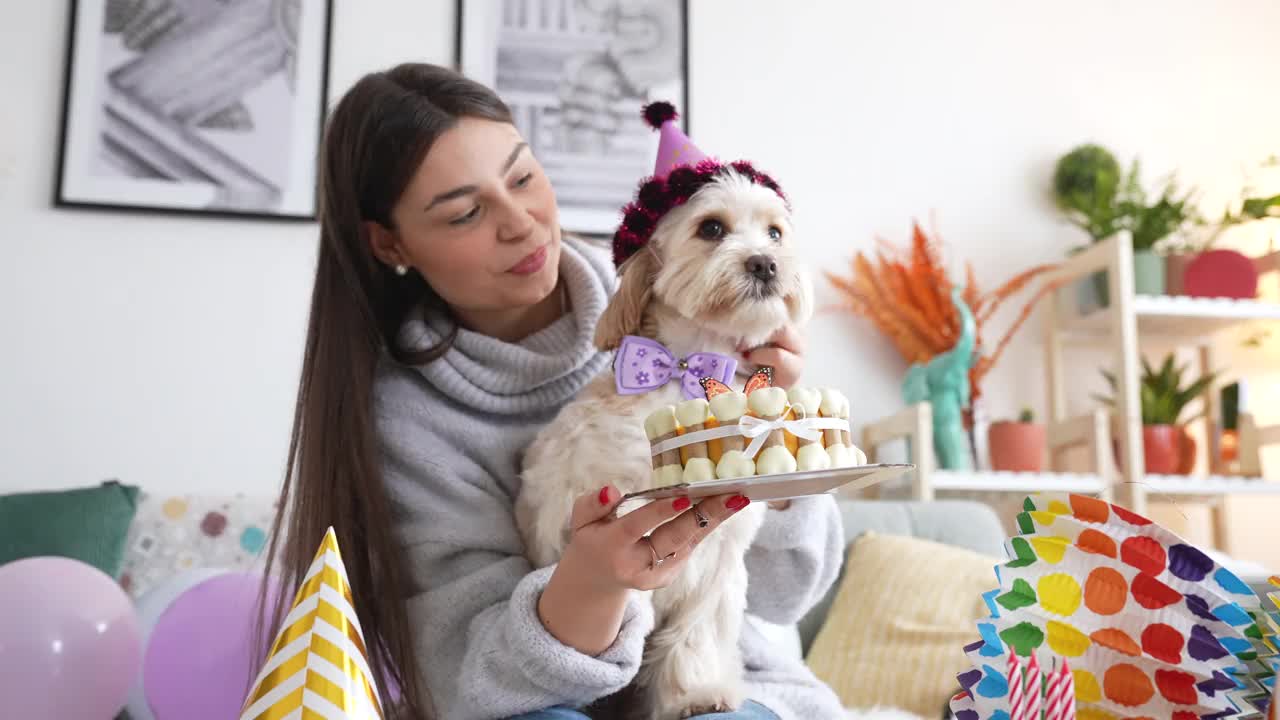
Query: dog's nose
point(764, 267)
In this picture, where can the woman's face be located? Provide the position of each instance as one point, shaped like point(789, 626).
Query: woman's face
point(479, 220)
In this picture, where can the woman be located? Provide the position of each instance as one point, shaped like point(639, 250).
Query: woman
point(449, 322)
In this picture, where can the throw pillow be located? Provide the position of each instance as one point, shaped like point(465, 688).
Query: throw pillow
point(175, 533)
point(902, 615)
point(89, 524)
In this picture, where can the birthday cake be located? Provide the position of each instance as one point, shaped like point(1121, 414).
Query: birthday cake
point(762, 430)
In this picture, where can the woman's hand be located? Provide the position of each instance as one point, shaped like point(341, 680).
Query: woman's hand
point(784, 352)
point(607, 557)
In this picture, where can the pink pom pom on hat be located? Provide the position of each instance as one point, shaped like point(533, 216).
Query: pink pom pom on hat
point(679, 171)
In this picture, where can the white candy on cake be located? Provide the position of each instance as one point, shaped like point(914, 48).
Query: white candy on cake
point(771, 404)
point(692, 416)
point(659, 426)
point(811, 455)
point(727, 408)
point(839, 443)
point(777, 436)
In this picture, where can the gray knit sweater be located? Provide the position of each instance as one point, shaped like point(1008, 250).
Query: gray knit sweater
point(452, 434)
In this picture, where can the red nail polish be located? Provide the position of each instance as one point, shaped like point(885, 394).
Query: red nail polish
point(737, 502)
point(604, 496)
point(681, 504)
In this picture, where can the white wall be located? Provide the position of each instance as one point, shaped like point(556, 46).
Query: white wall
point(160, 350)
point(165, 351)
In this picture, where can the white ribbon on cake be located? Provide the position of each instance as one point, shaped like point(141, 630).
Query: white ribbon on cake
point(758, 429)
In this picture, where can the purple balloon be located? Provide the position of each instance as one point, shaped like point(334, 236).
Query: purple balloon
point(70, 645)
point(201, 654)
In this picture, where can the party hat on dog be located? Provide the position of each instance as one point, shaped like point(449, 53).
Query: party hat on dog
point(674, 147)
point(679, 171)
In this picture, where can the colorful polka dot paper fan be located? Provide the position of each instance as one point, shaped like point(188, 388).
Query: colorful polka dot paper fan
point(1155, 547)
point(1107, 603)
point(1269, 659)
point(1149, 625)
point(1055, 536)
point(1123, 687)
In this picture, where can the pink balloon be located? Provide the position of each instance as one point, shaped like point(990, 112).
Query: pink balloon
point(70, 646)
point(201, 654)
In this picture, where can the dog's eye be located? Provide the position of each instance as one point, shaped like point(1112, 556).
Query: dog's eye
point(711, 230)
point(775, 233)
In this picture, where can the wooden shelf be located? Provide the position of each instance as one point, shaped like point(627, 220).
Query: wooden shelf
point(1157, 485)
point(1180, 317)
point(995, 481)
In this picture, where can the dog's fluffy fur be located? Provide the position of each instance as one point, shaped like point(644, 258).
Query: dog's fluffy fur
point(691, 294)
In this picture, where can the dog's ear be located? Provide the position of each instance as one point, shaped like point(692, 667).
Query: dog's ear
point(626, 309)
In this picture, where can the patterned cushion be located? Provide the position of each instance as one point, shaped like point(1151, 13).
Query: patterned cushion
point(904, 611)
point(175, 533)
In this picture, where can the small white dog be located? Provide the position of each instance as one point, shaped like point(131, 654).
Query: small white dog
point(718, 274)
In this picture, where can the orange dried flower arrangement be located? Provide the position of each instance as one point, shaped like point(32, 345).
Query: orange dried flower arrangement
point(906, 295)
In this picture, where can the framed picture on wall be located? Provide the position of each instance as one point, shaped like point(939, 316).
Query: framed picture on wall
point(194, 106)
point(576, 74)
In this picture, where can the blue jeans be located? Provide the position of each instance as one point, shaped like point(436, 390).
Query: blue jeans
point(751, 710)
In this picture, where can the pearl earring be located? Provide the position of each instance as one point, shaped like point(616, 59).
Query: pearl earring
point(401, 270)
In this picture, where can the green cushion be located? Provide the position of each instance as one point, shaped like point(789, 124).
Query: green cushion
point(89, 524)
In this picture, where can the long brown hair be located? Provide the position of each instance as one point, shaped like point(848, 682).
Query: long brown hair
point(375, 139)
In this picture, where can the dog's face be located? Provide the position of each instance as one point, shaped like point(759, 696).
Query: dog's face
point(724, 260)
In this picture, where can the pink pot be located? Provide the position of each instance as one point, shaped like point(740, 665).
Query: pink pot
point(1221, 274)
point(1175, 267)
point(1016, 446)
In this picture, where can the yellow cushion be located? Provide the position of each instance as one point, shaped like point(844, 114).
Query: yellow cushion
point(903, 613)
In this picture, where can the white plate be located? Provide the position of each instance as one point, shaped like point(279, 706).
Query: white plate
point(779, 487)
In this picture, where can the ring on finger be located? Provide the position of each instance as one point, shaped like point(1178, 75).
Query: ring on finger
point(657, 559)
point(702, 519)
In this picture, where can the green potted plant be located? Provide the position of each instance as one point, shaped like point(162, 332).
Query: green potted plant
point(1251, 207)
point(1017, 446)
point(1167, 447)
point(1150, 223)
point(1096, 196)
point(1086, 187)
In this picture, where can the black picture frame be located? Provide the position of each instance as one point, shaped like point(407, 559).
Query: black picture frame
point(119, 151)
point(591, 185)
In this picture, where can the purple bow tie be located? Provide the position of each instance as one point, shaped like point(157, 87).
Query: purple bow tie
point(642, 365)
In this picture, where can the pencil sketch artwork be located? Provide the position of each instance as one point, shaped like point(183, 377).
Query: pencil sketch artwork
point(202, 97)
point(575, 74)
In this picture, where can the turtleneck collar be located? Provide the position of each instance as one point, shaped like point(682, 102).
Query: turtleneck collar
point(541, 371)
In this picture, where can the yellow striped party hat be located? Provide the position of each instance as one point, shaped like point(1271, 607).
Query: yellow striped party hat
point(319, 665)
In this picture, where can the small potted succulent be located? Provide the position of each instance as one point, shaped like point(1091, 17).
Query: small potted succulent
point(1017, 446)
point(1167, 447)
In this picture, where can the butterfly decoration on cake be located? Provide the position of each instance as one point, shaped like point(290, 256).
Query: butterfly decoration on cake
point(761, 378)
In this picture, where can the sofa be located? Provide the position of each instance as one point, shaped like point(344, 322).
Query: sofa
point(170, 535)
